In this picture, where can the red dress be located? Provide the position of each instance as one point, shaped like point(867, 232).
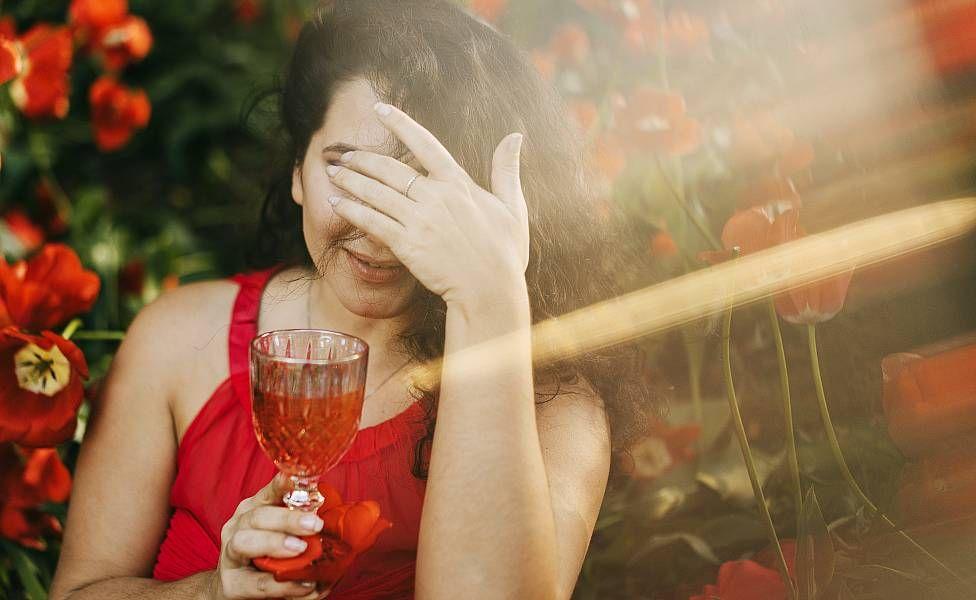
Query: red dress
point(219, 463)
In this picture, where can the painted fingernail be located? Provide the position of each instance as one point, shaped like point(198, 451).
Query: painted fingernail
point(332, 169)
point(311, 522)
point(333, 200)
point(383, 109)
point(346, 156)
point(293, 543)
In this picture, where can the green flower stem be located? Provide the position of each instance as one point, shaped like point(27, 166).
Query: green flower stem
point(71, 328)
point(740, 431)
point(100, 334)
point(784, 384)
point(94, 334)
point(694, 349)
point(842, 463)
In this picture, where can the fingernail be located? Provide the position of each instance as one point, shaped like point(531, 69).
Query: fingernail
point(346, 156)
point(333, 200)
point(311, 522)
point(307, 583)
point(383, 109)
point(332, 169)
point(517, 141)
point(293, 543)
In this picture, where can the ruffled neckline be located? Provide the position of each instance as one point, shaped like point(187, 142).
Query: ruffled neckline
point(243, 328)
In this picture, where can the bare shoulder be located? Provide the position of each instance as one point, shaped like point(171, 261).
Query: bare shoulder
point(576, 404)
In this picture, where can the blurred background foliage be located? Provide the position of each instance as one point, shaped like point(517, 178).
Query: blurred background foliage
point(695, 111)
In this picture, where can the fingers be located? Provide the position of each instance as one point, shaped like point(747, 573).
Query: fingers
point(272, 493)
point(377, 194)
point(370, 220)
point(246, 544)
point(506, 183)
point(248, 583)
point(279, 518)
point(386, 169)
point(424, 145)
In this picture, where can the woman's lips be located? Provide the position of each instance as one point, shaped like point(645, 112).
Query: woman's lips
point(373, 274)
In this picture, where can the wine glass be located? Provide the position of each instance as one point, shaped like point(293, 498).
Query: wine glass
point(307, 389)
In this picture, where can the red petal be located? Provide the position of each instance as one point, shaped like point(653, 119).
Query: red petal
point(10, 63)
point(285, 569)
point(749, 230)
point(358, 522)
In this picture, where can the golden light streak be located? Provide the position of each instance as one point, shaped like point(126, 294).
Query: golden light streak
point(741, 281)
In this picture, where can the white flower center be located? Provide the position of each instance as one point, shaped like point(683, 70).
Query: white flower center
point(41, 371)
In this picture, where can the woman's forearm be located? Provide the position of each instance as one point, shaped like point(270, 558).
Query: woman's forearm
point(487, 522)
point(194, 587)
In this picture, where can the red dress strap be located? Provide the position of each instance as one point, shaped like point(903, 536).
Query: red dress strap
point(243, 328)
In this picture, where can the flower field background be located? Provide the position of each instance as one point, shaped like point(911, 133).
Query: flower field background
point(131, 165)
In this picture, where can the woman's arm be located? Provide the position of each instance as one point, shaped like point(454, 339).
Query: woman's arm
point(511, 500)
point(119, 506)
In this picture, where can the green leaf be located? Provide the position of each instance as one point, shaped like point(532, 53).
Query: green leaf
point(815, 558)
point(27, 572)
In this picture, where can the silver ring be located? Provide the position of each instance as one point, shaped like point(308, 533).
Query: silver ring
point(406, 192)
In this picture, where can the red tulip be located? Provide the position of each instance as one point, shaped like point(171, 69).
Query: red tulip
point(116, 112)
point(46, 290)
point(29, 478)
point(350, 529)
point(751, 579)
point(815, 302)
point(930, 401)
point(22, 235)
point(762, 227)
point(41, 89)
point(40, 387)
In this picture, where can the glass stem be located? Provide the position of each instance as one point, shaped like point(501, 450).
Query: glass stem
point(304, 494)
point(842, 463)
point(784, 385)
point(740, 431)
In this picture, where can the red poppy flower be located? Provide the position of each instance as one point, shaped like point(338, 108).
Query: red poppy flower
point(122, 43)
point(94, 14)
point(46, 290)
point(28, 478)
point(40, 387)
point(654, 120)
point(42, 88)
point(489, 10)
point(116, 112)
point(585, 113)
point(350, 529)
point(608, 155)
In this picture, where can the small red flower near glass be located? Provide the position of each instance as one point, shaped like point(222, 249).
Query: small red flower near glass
point(351, 528)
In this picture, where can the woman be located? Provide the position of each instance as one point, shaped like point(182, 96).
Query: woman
point(475, 237)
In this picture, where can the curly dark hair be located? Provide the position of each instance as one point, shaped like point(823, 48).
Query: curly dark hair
point(470, 86)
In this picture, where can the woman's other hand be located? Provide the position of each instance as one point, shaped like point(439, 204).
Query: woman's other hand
point(260, 527)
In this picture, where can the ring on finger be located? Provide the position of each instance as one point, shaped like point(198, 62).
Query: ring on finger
point(406, 191)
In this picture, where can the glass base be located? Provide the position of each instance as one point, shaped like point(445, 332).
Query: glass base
point(304, 494)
